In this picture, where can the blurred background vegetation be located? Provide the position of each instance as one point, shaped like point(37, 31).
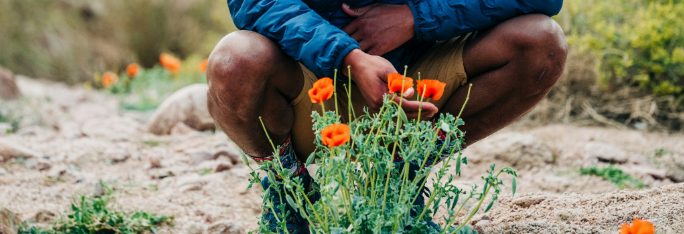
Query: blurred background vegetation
point(625, 68)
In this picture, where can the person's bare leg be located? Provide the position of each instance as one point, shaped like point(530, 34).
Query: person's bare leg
point(249, 77)
point(512, 67)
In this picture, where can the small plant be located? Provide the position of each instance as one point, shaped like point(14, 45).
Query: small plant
point(614, 175)
point(96, 215)
point(363, 174)
point(205, 171)
point(660, 152)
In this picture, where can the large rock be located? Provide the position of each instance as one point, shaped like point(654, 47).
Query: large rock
point(10, 150)
point(519, 150)
point(187, 105)
point(8, 87)
point(9, 222)
point(604, 152)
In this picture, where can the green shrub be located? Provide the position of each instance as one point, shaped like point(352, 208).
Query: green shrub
point(614, 175)
point(363, 190)
point(96, 215)
point(636, 42)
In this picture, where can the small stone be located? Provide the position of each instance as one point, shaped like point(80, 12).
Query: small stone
point(232, 154)
point(223, 166)
point(98, 190)
point(519, 150)
point(57, 172)
point(45, 216)
point(8, 87)
point(9, 222)
point(193, 228)
point(43, 165)
point(569, 214)
point(10, 150)
point(155, 161)
point(676, 175)
point(224, 227)
point(197, 156)
point(118, 155)
point(31, 163)
point(526, 202)
point(182, 129)
point(191, 183)
point(3, 171)
point(478, 218)
point(604, 153)
point(479, 227)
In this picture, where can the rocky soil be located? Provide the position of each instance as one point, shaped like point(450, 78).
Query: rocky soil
point(71, 138)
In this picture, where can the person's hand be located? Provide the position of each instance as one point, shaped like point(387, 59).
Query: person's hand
point(380, 28)
point(370, 72)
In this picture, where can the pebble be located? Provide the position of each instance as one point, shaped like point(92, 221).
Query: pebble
point(232, 154)
point(193, 228)
point(118, 155)
point(604, 152)
point(155, 161)
point(223, 166)
point(224, 227)
point(526, 202)
point(197, 156)
point(3, 171)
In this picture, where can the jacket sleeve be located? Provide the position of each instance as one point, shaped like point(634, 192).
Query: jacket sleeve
point(443, 19)
point(300, 31)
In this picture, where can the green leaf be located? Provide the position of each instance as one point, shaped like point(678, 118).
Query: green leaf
point(514, 184)
point(311, 158)
point(489, 206)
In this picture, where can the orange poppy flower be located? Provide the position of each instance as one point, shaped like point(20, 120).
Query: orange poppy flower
point(132, 69)
point(202, 66)
point(169, 62)
point(433, 89)
point(109, 79)
point(395, 81)
point(638, 227)
point(322, 90)
point(335, 135)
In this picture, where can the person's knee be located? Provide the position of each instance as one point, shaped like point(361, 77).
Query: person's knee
point(238, 69)
point(544, 48)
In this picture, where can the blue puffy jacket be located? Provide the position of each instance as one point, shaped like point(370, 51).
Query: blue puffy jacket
point(309, 30)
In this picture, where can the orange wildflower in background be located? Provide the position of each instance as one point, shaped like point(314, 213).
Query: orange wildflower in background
point(132, 69)
point(395, 81)
point(109, 79)
point(335, 135)
point(202, 66)
point(322, 90)
point(638, 227)
point(170, 63)
point(432, 89)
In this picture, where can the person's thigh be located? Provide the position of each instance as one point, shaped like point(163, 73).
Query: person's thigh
point(512, 66)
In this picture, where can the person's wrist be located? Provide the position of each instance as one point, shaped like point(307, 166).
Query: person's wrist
point(350, 60)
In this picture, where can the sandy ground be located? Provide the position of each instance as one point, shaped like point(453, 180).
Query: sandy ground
point(85, 137)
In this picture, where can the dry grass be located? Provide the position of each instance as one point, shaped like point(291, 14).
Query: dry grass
point(578, 99)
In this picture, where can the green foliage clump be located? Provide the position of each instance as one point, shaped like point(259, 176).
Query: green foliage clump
point(615, 175)
point(363, 190)
point(150, 87)
point(636, 42)
point(96, 215)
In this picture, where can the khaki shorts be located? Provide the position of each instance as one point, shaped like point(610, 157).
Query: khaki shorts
point(443, 62)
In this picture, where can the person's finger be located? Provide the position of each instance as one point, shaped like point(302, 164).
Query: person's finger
point(411, 107)
point(355, 12)
point(351, 28)
point(409, 92)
